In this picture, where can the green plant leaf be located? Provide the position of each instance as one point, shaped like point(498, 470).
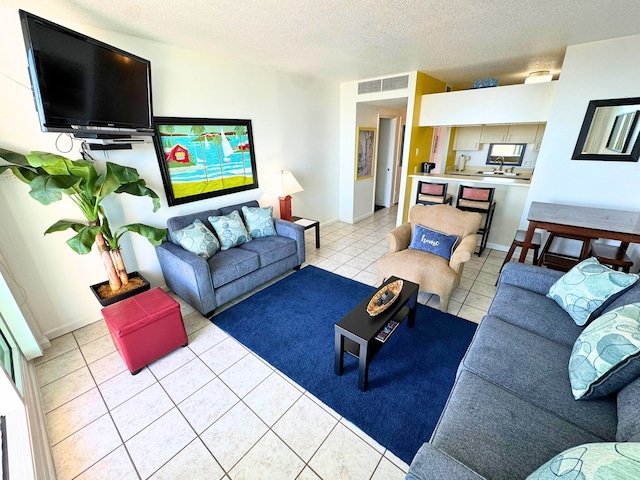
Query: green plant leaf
point(62, 225)
point(154, 235)
point(140, 189)
point(13, 157)
point(84, 240)
point(51, 163)
point(49, 188)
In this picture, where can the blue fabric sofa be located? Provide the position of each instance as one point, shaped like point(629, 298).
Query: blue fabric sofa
point(207, 284)
point(511, 408)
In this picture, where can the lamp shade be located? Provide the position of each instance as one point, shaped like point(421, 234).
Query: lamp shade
point(286, 184)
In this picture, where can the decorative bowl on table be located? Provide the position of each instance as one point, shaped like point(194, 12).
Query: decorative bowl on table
point(384, 298)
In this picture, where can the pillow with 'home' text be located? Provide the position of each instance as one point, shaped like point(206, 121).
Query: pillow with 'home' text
point(433, 241)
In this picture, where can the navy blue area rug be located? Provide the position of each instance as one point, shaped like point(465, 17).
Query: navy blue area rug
point(290, 325)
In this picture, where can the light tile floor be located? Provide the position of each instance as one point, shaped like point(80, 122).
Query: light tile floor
point(214, 410)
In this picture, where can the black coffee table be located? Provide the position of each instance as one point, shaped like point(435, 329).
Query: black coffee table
point(356, 333)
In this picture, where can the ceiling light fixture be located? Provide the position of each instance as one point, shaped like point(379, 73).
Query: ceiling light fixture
point(539, 76)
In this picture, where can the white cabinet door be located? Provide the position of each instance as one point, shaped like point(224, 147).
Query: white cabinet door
point(539, 135)
point(467, 138)
point(494, 134)
point(523, 133)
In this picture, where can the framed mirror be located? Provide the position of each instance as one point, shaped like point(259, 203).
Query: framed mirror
point(610, 131)
point(506, 153)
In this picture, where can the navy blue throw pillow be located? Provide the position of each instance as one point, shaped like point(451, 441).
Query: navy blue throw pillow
point(433, 241)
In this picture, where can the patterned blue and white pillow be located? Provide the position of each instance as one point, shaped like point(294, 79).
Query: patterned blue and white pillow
point(433, 241)
point(259, 221)
point(593, 461)
point(230, 230)
point(606, 355)
point(197, 238)
point(586, 290)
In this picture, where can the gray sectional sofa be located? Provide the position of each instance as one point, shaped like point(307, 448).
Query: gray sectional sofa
point(207, 284)
point(511, 408)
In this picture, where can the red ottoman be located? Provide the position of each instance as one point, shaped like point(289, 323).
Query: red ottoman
point(145, 327)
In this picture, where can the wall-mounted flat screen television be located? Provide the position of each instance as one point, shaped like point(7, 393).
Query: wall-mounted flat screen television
point(81, 85)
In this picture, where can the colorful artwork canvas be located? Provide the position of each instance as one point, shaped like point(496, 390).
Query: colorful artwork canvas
point(201, 158)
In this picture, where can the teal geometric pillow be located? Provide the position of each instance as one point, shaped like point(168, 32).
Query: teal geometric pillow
point(606, 355)
point(198, 239)
point(593, 461)
point(230, 229)
point(259, 221)
point(586, 290)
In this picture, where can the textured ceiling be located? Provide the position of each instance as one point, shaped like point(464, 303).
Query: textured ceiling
point(453, 40)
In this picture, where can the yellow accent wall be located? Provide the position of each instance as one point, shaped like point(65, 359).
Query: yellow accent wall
point(421, 137)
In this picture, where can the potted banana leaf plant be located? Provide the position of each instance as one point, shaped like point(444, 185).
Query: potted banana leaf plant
point(52, 177)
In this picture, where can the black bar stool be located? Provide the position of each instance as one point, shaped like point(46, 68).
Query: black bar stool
point(478, 199)
point(431, 193)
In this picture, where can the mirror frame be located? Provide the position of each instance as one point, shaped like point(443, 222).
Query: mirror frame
point(633, 155)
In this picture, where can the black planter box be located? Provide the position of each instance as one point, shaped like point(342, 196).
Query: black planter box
point(116, 298)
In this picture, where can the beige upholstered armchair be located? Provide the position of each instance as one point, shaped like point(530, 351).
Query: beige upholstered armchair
point(433, 273)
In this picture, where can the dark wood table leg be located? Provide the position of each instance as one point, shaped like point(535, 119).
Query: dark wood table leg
point(363, 370)
point(339, 353)
point(411, 320)
point(318, 235)
point(526, 245)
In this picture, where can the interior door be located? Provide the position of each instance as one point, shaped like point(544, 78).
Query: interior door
point(386, 156)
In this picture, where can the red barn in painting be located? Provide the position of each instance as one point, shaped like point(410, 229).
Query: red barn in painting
point(178, 154)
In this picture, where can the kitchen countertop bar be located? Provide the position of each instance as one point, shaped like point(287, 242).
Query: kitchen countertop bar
point(475, 178)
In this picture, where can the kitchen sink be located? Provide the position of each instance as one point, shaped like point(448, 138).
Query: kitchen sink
point(496, 172)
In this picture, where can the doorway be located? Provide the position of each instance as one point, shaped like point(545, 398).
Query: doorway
point(387, 161)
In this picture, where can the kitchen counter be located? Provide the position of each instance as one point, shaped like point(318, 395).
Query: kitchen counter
point(510, 196)
point(473, 176)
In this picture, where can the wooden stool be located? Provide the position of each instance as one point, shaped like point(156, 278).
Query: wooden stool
point(145, 327)
point(615, 257)
point(518, 241)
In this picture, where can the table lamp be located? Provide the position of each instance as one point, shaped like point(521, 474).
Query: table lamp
point(285, 185)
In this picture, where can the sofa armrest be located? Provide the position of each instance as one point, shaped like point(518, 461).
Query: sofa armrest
point(294, 231)
point(529, 277)
point(463, 251)
point(399, 238)
point(431, 463)
point(188, 275)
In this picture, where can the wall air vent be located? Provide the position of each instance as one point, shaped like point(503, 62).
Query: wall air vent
point(395, 83)
point(371, 86)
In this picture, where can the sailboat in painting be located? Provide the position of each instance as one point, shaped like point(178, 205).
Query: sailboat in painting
point(226, 146)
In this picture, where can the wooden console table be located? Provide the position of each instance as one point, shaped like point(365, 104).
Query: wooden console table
point(585, 222)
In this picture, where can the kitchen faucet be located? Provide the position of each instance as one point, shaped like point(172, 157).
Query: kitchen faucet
point(501, 160)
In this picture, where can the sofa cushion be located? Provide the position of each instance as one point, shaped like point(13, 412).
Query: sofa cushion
point(586, 289)
point(593, 461)
point(431, 463)
point(606, 355)
point(230, 230)
point(534, 312)
point(498, 434)
point(197, 238)
point(629, 412)
point(535, 369)
point(271, 249)
point(259, 221)
point(238, 207)
point(229, 265)
point(433, 241)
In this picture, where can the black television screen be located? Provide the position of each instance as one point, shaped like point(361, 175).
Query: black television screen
point(83, 85)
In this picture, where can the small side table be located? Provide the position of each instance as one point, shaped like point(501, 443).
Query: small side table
point(307, 224)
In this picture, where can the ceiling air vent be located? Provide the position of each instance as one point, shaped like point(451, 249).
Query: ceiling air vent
point(395, 83)
point(372, 86)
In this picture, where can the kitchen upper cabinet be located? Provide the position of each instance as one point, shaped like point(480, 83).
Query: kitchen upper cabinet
point(520, 133)
point(539, 135)
point(467, 138)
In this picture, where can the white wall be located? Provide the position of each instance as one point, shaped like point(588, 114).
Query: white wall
point(593, 71)
point(295, 127)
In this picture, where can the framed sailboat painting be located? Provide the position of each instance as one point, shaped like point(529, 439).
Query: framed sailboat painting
point(204, 157)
